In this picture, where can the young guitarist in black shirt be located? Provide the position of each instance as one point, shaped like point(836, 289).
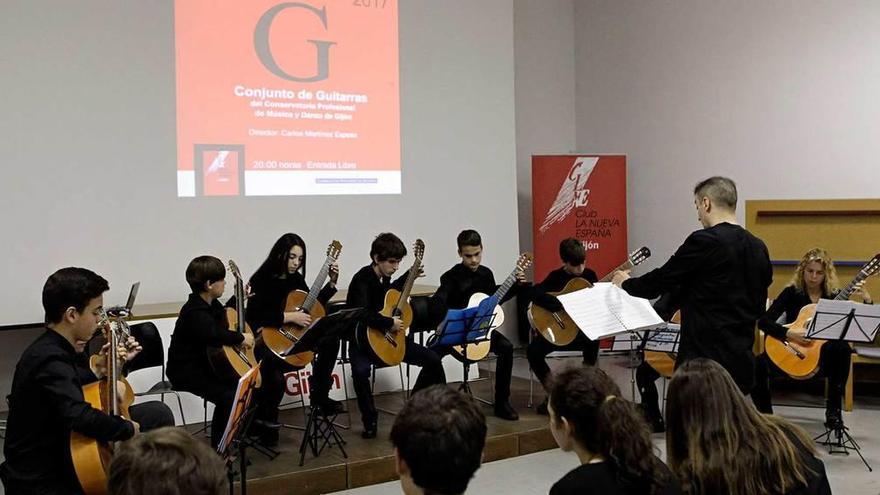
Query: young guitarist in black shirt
point(46, 403)
point(573, 256)
point(723, 272)
point(815, 278)
point(202, 323)
point(367, 290)
point(283, 272)
point(457, 286)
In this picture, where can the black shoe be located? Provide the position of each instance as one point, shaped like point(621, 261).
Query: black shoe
point(542, 408)
point(330, 407)
point(833, 419)
point(269, 439)
point(263, 425)
point(369, 432)
point(504, 410)
point(657, 425)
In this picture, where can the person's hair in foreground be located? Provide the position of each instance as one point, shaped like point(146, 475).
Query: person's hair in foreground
point(438, 441)
point(167, 461)
point(588, 415)
point(717, 442)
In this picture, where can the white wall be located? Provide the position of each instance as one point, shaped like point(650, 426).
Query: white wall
point(88, 151)
point(781, 96)
point(545, 76)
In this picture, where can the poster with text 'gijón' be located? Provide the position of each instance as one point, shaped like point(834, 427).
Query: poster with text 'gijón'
point(583, 197)
point(287, 98)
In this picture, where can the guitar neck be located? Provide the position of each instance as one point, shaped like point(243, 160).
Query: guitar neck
point(410, 281)
point(239, 305)
point(850, 288)
point(505, 287)
point(312, 298)
point(626, 265)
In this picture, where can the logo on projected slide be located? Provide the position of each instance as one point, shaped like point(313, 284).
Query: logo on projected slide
point(219, 170)
point(573, 192)
point(264, 49)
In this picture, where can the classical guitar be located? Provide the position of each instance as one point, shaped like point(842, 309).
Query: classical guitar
point(802, 361)
point(279, 340)
point(233, 361)
point(91, 458)
point(389, 346)
point(556, 326)
point(490, 305)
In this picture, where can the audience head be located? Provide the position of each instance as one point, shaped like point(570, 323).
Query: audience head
point(287, 256)
point(438, 441)
point(167, 461)
point(815, 270)
point(717, 442)
point(588, 415)
point(714, 197)
point(206, 274)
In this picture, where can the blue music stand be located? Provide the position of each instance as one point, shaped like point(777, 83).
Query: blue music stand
point(462, 327)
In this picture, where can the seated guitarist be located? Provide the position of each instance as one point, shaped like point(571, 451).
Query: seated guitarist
point(367, 290)
point(283, 272)
point(573, 256)
point(202, 323)
point(46, 403)
point(457, 286)
point(814, 278)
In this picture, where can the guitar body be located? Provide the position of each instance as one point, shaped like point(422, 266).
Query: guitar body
point(232, 362)
point(278, 340)
point(561, 331)
point(91, 458)
point(387, 346)
point(786, 359)
point(663, 362)
point(476, 352)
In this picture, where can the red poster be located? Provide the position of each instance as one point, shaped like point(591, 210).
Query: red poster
point(584, 197)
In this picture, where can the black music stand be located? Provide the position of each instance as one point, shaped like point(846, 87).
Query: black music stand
point(320, 429)
point(843, 321)
point(233, 445)
point(460, 328)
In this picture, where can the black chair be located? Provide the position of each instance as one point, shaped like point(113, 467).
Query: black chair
point(152, 356)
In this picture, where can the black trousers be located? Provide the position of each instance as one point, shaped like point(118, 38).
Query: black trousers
point(273, 369)
point(219, 392)
point(646, 376)
point(362, 366)
point(151, 415)
point(540, 347)
point(503, 349)
point(834, 362)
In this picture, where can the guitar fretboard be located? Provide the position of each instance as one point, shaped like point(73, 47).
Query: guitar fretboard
point(312, 297)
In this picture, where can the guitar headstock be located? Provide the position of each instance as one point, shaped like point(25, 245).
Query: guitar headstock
point(334, 249)
point(639, 255)
point(524, 260)
point(419, 249)
point(233, 268)
point(871, 267)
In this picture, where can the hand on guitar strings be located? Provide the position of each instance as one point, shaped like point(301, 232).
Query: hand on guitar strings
point(124, 352)
point(334, 273)
point(862, 292)
point(520, 276)
point(248, 342)
point(299, 318)
point(398, 323)
point(798, 336)
point(619, 277)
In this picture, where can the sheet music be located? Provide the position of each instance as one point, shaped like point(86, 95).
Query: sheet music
point(605, 310)
point(664, 339)
point(830, 318)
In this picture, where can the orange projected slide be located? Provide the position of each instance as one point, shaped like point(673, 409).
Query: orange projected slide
point(287, 98)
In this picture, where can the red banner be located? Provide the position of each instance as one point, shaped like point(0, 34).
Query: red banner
point(579, 196)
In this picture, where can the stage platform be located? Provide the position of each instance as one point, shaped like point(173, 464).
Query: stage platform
point(372, 461)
